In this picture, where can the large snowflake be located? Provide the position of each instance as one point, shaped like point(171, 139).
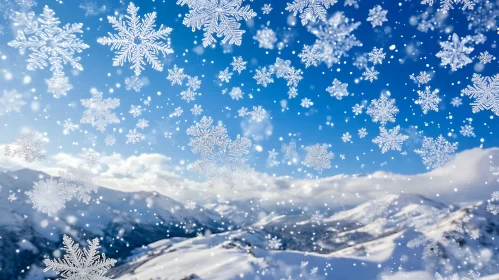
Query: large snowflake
point(220, 157)
point(436, 152)
point(78, 182)
point(310, 10)
point(382, 110)
point(428, 100)
point(334, 40)
point(338, 89)
point(98, 111)
point(137, 40)
point(48, 196)
point(220, 17)
point(11, 101)
point(28, 145)
point(485, 90)
point(390, 139)
point(49, 44)
point(455, 52)
point(377, 16)
point(79, 264)
point(318, 157)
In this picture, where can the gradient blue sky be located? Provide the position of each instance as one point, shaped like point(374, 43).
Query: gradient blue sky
point(413, 52)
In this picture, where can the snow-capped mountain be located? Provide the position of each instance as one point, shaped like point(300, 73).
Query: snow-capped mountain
point(125, 220)
point(346, 243)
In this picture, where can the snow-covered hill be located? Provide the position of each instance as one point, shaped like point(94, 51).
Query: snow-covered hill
point(124, 220)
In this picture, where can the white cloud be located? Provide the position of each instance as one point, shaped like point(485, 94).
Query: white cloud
point(466, 179)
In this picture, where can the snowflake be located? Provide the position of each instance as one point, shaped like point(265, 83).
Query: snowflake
point(188, 95)
point(176, 75)
point(272, 159)
point(196, 110)
point(193, 82)
point(351, 3)
point(263, 77)
point(177, 112)
point(346, 137)
point(318, 157)
point(58, 85)
point(485, 91)
point(376, 56)
point(446, 5)
point(485, 57)
point(390, 139)
point(338, 89)
point(236, 93)
point(90, 157)
point(92, 9)
point(110, 140)
point(467, 131)
point(28, 145)
point(310, 10)
point(292, 92)
point(69, 126)
point(134, 82)
point(455, 53)
point(142, 123)
point(78, 182)
point(306, 103)
point(49, 44)
point(382, 110)
point(243, 112)
point(362, 132)
point(135, 111)
point(133, 136)
point(334, 40)
point(225, 75)
point(220, 157)
point(483, 17)
point(274, 243)
point(136, 40)
point(317, 217)
point(357, 109)
point(98, 111)
point(377, 16)
point(48, 196)
point(80, 264)
point(238, 64)
point(493, 207)
point(456, 102)
point(258, 114)
point(436, 152)
point(220, 17)
point(266, 38)
point(266, 9)
point(421, 79)
point(12, 197)
point(289, 151)
point(428, 100)
point(370, 74)
point(11, 101)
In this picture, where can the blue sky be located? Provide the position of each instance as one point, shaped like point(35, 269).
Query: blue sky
point(407, 51)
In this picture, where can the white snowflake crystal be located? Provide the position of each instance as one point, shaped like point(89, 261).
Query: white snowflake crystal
point(137, 40)
point(28, 145)
point(220, 17)
point(485, 91)
point(310, 10)
point(318, 157)
point(48, 196)
point(176, 75)
point(98, 111)
point(78, 182)
point(80, 264)
point(390, 139)
point(220, 157)
point(338, 89)
point(377, 16)
point(266, 38)
point(238, 64)
point(11, 101)
point(428, 100)
point(133, 136)
point(455, 52)
point(134, 82)
point(436, 152)
point(49, 44)
point(382, 110)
